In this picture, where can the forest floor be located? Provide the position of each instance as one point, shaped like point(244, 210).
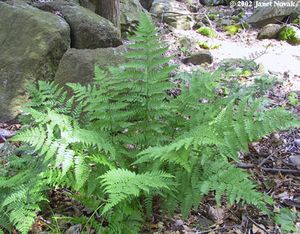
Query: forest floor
point(274, 162)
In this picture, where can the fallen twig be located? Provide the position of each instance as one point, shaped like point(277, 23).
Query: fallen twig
point(282, 170)
point(257, 225)
point(267, 158)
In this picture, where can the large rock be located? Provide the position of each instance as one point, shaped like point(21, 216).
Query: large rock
point(78, 65)
point(173, 13)
point(269, 31)
point(130, 11)
point(31, 44)
point(273, 11)
point(88, 30)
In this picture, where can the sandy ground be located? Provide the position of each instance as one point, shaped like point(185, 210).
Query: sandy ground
point(278, 57)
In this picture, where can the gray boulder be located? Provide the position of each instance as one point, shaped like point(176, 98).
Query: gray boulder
point(173, 13)
point(199, 58)
point(32, 43)
point(78, 65)
point(88, 30)
point(212, 2)
point(89, 4)
point(273, 11)
point(130, 11)
point(269, 31)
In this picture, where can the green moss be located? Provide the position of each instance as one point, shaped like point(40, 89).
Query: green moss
point(296, 21)
point(207, 31)
point(293, 98)
point(246, 73)
point(241, 14)
point(235, 18)
point(288, 33)
point(245, 25)
point(207, 46)
point(232, 29)
point(212, 16)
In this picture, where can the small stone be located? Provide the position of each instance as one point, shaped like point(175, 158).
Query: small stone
point(295, 159)
point(297, 141)
point(269, 31)
point(199, 58)
point(179, 223)
point(211, 2)
point(76, 229)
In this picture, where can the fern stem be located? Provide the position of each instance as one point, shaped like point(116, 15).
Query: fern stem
point(90, 218)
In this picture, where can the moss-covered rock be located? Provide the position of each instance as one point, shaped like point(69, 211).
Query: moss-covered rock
point(290, 34)
point(32, 43)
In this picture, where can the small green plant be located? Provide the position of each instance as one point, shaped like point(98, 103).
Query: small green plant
point(232, 29)
point(184, 44)
point(133, 146)
point(288, 33)
point(293, 98)
point(207, 31)
point(206, 45)
point(287, 219)
point(246, 73)
point(241, 14)
point(296, 21)
point(212, 16)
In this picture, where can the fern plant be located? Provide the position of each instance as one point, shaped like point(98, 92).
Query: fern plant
point(133, 96)
point(129, 142)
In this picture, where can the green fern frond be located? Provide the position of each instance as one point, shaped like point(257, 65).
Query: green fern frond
point(121, 184)
point(81, 171)
point(225, 179)
point(92, 138)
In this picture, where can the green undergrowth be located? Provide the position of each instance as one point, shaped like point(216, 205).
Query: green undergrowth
point(121, 145)
point(207, 31)
point(288, 33)
point(208, 46)
point(232, 29)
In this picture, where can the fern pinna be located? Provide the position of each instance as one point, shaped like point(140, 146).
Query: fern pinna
point(122, 141)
